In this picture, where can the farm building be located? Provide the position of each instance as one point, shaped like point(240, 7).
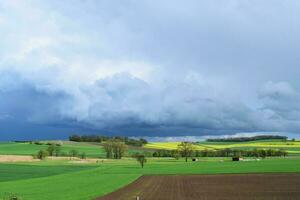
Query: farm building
point(236, 159)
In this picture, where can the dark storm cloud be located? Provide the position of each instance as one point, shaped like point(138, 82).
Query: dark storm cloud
point(150, 67)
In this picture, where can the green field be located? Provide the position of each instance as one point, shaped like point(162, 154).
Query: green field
point(12, 148)
point(64, 180)
point(24, 171)
point(61, 180)
point(91, 150)
point(82, 184)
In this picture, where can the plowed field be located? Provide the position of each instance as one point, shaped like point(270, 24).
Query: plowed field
point(211, 187)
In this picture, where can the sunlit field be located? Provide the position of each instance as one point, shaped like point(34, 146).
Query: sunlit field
point(169, 146)
point(292, 147)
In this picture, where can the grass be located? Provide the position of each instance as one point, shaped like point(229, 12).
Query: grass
point(207, 166)
point(12, 148)
point(71, 186)
point(9, 172)
point(110, 175)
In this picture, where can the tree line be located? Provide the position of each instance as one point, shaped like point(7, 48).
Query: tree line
point(246, 139)
point(55, 150)
point(115, 148)
point(99, 138)
point(187, 150)
point(242, 153)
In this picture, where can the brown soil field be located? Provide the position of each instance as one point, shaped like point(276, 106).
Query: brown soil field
point(211, 187)
point(12, 158)
point(76, 160)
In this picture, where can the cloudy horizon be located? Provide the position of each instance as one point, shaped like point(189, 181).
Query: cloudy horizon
point(148, 68)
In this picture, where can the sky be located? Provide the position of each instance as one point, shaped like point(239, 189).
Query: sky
point(160, 68)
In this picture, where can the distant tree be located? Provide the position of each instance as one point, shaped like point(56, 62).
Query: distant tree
point(53, 149)
point(108, 148)
point(282, 153)
point(115, 148)
point(38, 143)
point(143, 141)
point(98, 138)
point(197, 153)
point(82, 156)
point(186, 149)
point(176, 156)
point(75, 138)
point(262, 153)
point(237, 153)
point(63, 154)
point(141, 159)
point(270, 152)
point(244, 139)
point(119, 148)
point(42, 154)
point(57, 150)
point(155, 154)
point(73, 153)
point(227, 152)
point(204, 153)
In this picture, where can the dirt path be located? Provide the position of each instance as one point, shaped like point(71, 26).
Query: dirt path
point(211, 187)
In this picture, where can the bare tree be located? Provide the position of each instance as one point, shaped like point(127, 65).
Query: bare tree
point(108, 148)
point(53, 149)
point(186, 149)
point(115, 149)
point(121, 149)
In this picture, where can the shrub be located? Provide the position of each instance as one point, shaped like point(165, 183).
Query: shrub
point(63, 154)
point(53, 149)
point(42, 154)
point(10, 196)
point(38, 143)
point(176, 156)
point(73, 153)
point(82, 156)
point(115, 149)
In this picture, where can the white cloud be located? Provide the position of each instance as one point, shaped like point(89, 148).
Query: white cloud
point(2, 20)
